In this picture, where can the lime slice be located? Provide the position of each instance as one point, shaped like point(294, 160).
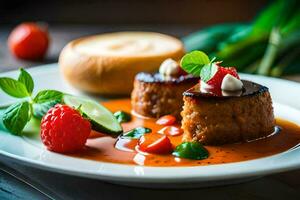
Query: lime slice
point(101, 119)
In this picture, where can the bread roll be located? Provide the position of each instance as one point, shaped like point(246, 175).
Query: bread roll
point(106, 64)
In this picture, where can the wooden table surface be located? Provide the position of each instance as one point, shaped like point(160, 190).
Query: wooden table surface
point(279, 186)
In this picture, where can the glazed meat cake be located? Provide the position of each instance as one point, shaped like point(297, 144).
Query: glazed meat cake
point(215, 120)
point(155, 95)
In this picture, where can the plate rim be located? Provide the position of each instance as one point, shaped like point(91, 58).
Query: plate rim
point(146, 178)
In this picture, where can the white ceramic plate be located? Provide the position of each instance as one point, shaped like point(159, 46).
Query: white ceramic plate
point(285, 94)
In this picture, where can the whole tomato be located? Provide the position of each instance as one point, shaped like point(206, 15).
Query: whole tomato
point(28, 41)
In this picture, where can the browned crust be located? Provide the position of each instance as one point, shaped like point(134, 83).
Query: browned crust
point(155, 99)
point(231, 120)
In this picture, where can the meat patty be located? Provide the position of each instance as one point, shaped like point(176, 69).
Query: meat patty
point(154, 95)
point(219, 120)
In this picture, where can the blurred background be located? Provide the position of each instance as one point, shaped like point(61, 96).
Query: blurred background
point(70, 19)
point(97, 12)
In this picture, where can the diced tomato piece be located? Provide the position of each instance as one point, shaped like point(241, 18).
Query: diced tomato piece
point(171, 130)
point(155, 143)
point(166, 120)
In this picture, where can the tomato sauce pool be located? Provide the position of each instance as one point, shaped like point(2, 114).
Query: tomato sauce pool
point(101, 147)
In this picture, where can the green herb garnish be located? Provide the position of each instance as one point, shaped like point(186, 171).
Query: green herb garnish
point(208, 71)
point(16, 116)
point(44, 100)
point(193, 62)
point(197, 63)
point(136, 133)
point(191, 150)
point(122, 116)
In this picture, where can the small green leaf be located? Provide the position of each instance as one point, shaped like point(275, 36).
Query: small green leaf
point(45, 100)
point(40, 109)
point(136, 133)
point(191, 150)
point(13, 87)
point(208, 71)
point(27, 80)
point(16, 117)
point(194, 61)
point(122, 116)
point(48, 95)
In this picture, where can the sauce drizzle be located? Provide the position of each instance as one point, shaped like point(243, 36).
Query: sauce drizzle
point(101, 147)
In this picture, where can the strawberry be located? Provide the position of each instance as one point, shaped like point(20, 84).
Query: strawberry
point(232, 71)
point(64, 130)
point(217, 79)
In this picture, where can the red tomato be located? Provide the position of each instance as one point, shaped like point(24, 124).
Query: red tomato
point(28, 41)
point(171, 130)
point(166, 120)
point(155, 143)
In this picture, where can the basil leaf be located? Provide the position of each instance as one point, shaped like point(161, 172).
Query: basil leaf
point(136, 133)
point(26, 79)
point(122, 116)
point(16, 116)
point(13, 87)
point(48, 95)
point(45, 100)
point(2, 127)
point(191, 150)
point(208, 71)
point(194, 61)
point(40, 109)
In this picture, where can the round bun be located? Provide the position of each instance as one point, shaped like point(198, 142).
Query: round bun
point(107, 63)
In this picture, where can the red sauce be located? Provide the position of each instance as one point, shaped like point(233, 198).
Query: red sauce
point(101, 147)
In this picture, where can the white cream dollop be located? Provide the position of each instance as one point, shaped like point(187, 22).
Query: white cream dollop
point(169, 67)
point(230, 83)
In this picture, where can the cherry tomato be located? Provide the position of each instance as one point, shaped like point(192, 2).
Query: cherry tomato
point(166, 120)
point(28, 41)
point(155, 143)
point(171, 130)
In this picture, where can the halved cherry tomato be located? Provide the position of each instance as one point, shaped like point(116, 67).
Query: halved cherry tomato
point(155, 143)
point(166, 120)
point(171, 130)
point(28, 41)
